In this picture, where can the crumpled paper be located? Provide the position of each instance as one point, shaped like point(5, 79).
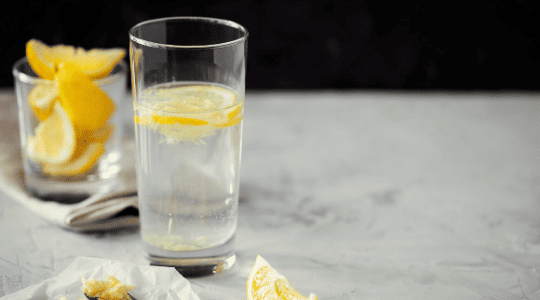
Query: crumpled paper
point(151, 282)
point(98, 212)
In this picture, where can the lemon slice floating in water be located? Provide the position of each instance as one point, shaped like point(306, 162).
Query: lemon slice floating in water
point(188, 112)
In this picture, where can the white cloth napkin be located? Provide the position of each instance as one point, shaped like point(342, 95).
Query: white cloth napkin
point(98, 212)
point(151, 282)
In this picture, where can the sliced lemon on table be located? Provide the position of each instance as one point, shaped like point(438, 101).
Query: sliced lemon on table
point(95, 63)
point(54, 140)
point(41, 99)
point(265, 283)
point(88, 107)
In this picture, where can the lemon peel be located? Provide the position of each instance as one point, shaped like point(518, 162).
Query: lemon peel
point(188, 113)
point(79, 165)
point(95, 63)
point(41, 99)
point(86, 104)
point(265, 283)
point(54, 140)
point(70, 74)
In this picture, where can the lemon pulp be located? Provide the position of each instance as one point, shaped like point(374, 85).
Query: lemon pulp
point(265, 283)
point(188, 111)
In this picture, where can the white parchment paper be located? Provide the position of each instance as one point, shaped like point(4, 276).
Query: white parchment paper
point(151, 282)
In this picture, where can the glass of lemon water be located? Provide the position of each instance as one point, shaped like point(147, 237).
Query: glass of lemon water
point(188, 80)
point(71, 128)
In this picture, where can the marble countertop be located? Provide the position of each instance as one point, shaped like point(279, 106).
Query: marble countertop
point(355, 195)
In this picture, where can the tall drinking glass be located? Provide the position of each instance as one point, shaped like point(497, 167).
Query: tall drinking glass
point(188, 80)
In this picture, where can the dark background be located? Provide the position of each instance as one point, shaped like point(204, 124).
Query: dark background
point(481, 45)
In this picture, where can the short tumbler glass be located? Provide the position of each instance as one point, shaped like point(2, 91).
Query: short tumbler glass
point(95, 162)
point(188, 80)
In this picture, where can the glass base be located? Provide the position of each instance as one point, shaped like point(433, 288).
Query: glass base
point(194, 263)
point(65, 190)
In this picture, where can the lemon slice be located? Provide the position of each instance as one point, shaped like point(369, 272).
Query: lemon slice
point(190, 98)
point(42, 98)
point(54, 140)
point(265, 283)
point(167, 120)
point(188, 112)
point(44, 59)
point(88, 107)
point(95, 63)
point(79, 165)
point(98, 63)
point(209, 104)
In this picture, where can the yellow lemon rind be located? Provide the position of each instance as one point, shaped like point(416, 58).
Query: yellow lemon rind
point(84, 163)
point(167, 120)
point(95, 63)
point(87, 105)
point(265, 283)
point(54, 139)
point(41, 63)
point(42, 99)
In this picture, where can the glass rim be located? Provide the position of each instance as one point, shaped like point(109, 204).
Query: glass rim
point(224, 22)
point(26, 78)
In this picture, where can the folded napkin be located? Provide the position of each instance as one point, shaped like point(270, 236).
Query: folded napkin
point(151, 282)
point(115, 209)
